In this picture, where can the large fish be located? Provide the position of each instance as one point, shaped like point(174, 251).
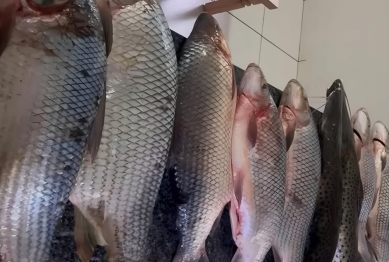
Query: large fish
point(324, 230)
point(115, 195)
point(380, 138)
point(52, 78)
point(303, 167)
point(201, 148)
point(347, 248)
point(258, 165)
point(363, 145)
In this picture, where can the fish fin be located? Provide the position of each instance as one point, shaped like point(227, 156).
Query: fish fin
point(383, 161)
point(96, 133)
point(289, 134)
point(106, 21)
point(86, 236)
point(252, 132)
point(108, 231)
point(216, 223)
point(276, 255)
point(364, 248)
point(8, 11)
point(234, 217)
point(203, 255)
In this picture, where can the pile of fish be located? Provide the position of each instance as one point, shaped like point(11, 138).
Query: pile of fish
point(95, 109)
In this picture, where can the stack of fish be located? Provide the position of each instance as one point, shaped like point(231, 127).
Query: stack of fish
point(94, 108)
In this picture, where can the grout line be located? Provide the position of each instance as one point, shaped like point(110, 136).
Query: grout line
point(265, 37)
point(301, 34)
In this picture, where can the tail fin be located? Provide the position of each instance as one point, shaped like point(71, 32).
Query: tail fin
point(364, 247)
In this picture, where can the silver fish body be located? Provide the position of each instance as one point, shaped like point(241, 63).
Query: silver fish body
point(381, 244)
point(258, 162)
point(303, 167)
point(380, 138)
point(52, 76)
point(364, 149)
point(201, 148)
point(324, 229)
point(115, 195)
point(347, 248)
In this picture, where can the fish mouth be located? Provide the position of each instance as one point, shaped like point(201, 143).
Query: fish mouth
point(379, 141)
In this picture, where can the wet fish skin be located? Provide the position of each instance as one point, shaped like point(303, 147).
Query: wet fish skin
point(201, 147)
point(363, 146)
point(381, 244)
point(258, 163)
point(115, 195)
point(52, 76)
point(303, 167)
point(324, 230)
point(347, 248)
point(380, 138)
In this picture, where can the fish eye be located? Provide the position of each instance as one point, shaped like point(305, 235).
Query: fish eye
point(264, 86)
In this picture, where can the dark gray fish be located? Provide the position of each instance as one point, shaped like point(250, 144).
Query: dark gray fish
point(324, 231)
point(303, 167)
point(201, 148)
point(364, 148)
point(115, 195)
point(52, 79)
point(258, 166)
point(347, 248)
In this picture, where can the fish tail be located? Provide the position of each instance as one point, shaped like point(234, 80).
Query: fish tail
point(90, 232)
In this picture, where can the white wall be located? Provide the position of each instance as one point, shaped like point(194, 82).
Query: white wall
point(347, 39)
point(254, 34)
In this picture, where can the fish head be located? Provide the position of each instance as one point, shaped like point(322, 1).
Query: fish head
point(360, 122)
point(331, 123)
point(207, 28)
point(294, 105)
point(254, 87)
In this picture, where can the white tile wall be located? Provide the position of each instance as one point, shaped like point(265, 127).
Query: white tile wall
point(251, 16)
point(282, 26)
point(277, 66)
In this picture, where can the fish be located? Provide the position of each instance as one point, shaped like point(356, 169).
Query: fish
point(381, 244)
point(200, 159)
point(303, 168)
point(115, 194)
point(324, 230)
point(347, 247)
point(364, 148)
point(259, 166)
point(380, 138)
point(52, 81)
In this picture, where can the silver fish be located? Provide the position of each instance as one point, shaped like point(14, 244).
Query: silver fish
point(347, 248)
point(258, 165)
point(380, 138)
point(381, 244)
point(115, 195)
point(324, 229)
point(52, 77)
point(303, 167)
point(363, 145)
point(201, 148)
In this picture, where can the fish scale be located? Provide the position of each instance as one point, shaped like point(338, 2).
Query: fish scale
point(201, 148)
point(303, 168)
point(123, 181)
point(382, 240)
point(51, 79)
